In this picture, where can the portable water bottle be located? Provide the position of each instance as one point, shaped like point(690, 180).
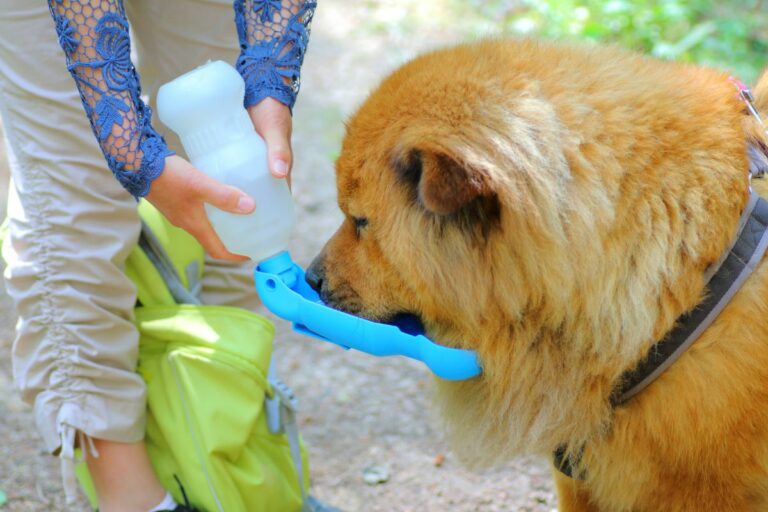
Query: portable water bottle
point(205, 109)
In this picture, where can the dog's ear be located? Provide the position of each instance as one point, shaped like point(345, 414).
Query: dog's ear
point(440, 182)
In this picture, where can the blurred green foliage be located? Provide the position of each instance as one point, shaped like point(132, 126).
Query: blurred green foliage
point(727, 34)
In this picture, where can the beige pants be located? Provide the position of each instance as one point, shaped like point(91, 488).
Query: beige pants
point(72, 225)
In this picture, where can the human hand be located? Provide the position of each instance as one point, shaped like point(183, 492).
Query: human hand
point(272, 121)
point(180, 192)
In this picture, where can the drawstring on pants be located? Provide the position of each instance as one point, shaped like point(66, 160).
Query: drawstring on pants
point(67, 435)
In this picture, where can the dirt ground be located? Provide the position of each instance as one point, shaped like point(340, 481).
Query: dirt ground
point(356, 410)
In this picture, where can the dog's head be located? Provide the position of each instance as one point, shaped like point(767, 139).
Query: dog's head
point(545, 206)
point(424, 183)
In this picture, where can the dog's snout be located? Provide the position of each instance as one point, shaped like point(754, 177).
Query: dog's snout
point(316, 273)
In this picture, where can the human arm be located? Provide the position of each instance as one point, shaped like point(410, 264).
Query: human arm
point(273, 36)
point(97, 48)
point(96, 44)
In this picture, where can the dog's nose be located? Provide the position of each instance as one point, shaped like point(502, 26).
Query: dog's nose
point(316, 273)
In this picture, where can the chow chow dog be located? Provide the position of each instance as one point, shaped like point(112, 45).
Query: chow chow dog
point(556, 209)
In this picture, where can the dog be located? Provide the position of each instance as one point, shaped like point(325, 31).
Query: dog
point(556, 209)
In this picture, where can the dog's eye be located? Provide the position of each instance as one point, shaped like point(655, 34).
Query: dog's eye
point(360, 224)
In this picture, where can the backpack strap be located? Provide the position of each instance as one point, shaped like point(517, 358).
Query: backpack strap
point(286, 422)
point(154, 250)
point(167, 262)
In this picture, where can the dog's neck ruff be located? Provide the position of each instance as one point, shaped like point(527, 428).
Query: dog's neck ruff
point(724, 279)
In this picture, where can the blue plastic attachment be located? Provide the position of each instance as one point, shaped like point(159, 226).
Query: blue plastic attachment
point(282, 288)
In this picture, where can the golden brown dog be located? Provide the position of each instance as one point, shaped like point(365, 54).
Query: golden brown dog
point(555, 209)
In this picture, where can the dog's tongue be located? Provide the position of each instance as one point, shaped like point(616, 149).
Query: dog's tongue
point(408, 323)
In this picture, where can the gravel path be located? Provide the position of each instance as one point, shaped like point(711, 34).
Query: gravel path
point(357, 411)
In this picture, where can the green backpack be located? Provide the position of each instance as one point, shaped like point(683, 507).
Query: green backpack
point(221, 431)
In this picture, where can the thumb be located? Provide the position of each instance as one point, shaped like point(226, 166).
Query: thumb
point(224, 197)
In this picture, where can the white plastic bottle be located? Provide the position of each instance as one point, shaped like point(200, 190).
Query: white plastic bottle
point(205, 108)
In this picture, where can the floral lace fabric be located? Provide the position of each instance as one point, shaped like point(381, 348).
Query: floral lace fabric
point(97, 47)
point(273, 40)
point(95, 38)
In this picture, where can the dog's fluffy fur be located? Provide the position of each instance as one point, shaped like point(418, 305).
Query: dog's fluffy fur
point(555, 209)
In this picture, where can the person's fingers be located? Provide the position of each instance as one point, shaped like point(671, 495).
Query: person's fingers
point(224, 197)
point(203, 231)
point(180, 192)
point(272, 121)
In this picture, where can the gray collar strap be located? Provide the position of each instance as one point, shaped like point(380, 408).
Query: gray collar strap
point(725, 278)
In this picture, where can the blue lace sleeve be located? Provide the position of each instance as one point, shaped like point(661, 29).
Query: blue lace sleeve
point(94, 36)
point(273, 40)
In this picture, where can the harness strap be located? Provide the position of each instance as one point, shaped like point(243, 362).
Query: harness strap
point(741, 261)
point(566, 462)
